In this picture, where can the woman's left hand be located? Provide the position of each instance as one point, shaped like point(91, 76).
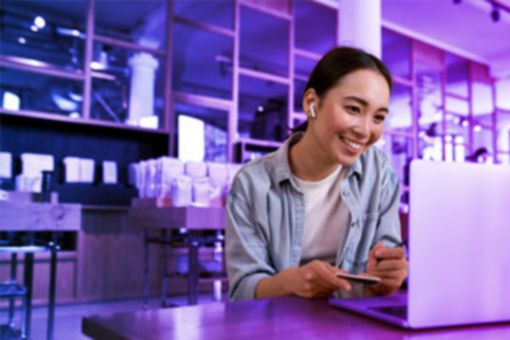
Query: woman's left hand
point(390, 265)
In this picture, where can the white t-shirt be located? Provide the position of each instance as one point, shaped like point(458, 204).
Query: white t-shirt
point(326, 218)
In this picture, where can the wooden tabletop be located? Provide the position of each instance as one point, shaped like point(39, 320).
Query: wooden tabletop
point(18, 216)
point(192, 218)
point(287, 318)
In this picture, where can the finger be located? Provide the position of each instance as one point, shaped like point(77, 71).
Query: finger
point(329, 278)
point(375, 249)
point(390, 265)
point(394, 275)
point(390, 253)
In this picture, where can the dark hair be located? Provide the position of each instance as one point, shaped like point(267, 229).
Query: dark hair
point(336, 64)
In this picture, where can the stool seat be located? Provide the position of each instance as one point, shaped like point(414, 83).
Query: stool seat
point(9, 333)
point(23, 249)
point(11, 289)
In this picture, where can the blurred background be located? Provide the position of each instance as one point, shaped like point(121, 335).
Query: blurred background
point(104, 93)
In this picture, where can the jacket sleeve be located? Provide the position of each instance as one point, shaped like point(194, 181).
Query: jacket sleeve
point(247, 251)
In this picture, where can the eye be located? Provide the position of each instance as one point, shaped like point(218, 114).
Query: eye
point(379, 118)
point(353, 109)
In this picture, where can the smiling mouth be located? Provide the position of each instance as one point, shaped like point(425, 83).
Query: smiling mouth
point(355, 147)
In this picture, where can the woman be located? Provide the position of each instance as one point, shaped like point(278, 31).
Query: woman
point(327, 201)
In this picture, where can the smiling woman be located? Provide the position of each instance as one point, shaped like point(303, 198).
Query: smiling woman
point(297, 217)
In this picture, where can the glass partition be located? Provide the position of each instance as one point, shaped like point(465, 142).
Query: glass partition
point(396, 53)
point(260, 51)
point(262, 109)
point(208, 72)
point(310, 36)
point(140, 22)
point(51, 32)
point(41, 93)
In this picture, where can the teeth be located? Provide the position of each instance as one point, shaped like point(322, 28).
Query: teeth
point(351, 144)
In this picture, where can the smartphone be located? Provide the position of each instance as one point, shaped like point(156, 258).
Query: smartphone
point(366, 279)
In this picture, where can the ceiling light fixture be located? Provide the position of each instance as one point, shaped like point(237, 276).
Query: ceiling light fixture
point(39, 22)
point(495, 14)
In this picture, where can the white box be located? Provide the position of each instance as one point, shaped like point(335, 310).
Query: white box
point(87, 167)
point(33, 164)
point(72, 169)
point(195, 169)
point(109, 172)
point(5, 165)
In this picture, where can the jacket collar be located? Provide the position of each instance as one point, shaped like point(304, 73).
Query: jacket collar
point(282, 170)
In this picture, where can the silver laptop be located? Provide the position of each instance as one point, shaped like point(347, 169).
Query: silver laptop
point(459, 249)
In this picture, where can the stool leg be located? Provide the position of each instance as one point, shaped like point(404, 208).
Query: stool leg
point(217, 289)
point(192, 270)
point(24, 303)
point(145, 269)
point(51, 293)
point(28, 275)
point(166, 276)
point(12, 305)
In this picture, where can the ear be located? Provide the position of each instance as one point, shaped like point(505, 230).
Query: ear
point(310, 99)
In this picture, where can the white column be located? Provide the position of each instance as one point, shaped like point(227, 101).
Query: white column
point(360, 25)
point(141, 99)
point(503, 102)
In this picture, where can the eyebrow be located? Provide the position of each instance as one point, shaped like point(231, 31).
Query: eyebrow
point(364, 103)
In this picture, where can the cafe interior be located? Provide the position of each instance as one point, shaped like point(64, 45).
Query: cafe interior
point(124, 122)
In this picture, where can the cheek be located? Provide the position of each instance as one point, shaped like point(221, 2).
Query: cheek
point(341, 121)
point(376, 134)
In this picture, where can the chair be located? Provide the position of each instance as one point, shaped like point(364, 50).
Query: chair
point(11, 289)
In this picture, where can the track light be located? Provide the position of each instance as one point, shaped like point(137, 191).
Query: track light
point(495, 14)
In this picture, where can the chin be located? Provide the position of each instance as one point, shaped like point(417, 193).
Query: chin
point(347, 160)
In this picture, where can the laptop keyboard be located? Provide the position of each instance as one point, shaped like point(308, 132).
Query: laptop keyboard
point(398, 311)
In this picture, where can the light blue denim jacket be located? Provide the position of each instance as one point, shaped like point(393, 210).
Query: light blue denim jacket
point(265, 216)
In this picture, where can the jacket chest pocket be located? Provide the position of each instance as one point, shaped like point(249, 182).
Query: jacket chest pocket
point(363, 232)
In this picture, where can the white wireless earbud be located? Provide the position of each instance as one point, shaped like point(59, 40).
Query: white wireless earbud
point(312, 110)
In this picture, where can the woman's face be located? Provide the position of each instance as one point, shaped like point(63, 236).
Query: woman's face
point(350, 116)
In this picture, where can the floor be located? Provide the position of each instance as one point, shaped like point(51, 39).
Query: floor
point(68, 317)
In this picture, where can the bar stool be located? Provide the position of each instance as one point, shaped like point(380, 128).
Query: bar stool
point(11, 289)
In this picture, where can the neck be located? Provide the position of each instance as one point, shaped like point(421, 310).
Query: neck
point(308, 161)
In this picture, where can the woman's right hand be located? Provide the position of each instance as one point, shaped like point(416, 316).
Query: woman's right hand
point(315, 279)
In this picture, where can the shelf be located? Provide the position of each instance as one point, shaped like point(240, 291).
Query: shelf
point(265, 10)
point(503, 111)
point(402, 81)
point(63, 255)
point(128, 45)
point(307, 54)
point(205, 101)
point(206, 27)
point(456, 96)
point(103, 76)
point(393, 132)
point(263, 75)
point(259, 142)
point(191, 218)
point(105, 208)
point(299, 115)
point(35, 66)
point(46, 116)
point(248, 149)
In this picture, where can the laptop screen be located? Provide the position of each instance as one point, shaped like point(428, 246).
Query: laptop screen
point(459, 243)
